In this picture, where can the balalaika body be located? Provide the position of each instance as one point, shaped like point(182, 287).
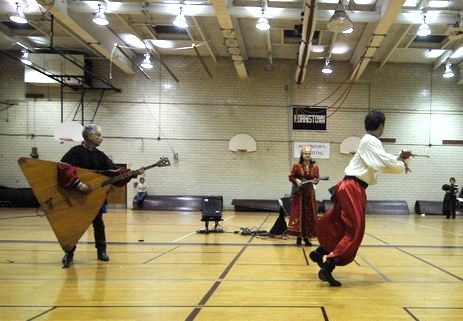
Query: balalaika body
point(69, 211)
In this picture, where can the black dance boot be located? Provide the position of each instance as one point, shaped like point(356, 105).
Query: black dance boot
point(102, 256)
point(317, 256)
point(307, 242)
point(325, 273)
point(298, 241)
point(68, 258)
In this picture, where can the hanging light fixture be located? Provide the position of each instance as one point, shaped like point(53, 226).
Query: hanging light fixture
point(100, 17)
point(18, 16)
point(448, 73)
point(146, 63)
point(25, 58)
point(180, 20)
point(424, 30)
point(340, 21)
point(262, 22)
point(327, 68)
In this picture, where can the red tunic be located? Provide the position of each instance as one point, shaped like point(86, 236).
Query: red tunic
point(303, 217)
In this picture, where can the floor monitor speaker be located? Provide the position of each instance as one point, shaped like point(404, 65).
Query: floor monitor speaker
point(212, 207)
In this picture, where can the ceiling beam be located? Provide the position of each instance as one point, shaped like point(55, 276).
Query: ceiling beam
point(231, 36)
point(200, 29)
point(395, 44)
point(390, 9)
point(98, 37)
point(405, 15)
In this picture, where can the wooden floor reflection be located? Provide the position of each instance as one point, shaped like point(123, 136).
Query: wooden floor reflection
point(408, 268)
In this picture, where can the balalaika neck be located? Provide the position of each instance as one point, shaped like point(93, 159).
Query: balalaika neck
point(121, 177)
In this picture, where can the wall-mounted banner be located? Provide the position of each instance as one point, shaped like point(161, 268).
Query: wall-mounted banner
point(318, 150)
point(309, 118)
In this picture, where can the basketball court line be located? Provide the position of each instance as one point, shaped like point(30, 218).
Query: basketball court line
point(193, 233)
point(425, 226)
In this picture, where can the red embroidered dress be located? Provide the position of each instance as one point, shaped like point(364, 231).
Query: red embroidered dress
point(303, 217)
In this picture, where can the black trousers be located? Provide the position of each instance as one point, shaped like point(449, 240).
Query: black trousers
point(450, 205)
point(99, 231)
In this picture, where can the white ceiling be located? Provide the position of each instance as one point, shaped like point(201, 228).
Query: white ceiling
point(384, 31)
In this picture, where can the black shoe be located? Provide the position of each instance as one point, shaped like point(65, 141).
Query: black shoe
point(67, 259)
point(102, 256)
point(299, 241)
point(317, 258)
point(325, 273)
point(307, 242)
point(326, 276)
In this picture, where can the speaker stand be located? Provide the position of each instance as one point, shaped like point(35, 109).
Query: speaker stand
point(217, 228)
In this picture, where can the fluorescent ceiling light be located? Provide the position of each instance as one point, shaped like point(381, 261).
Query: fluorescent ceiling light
point(365, 2)
point(433, 53)
point(340, 48)
point(410, 3)
point(458, 53)
point(438, 4)
point(39, 40)
point(317, 48)
point(132, 40)
point(165, 44)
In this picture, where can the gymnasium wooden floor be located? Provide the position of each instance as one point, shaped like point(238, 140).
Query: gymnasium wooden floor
point(408, 268)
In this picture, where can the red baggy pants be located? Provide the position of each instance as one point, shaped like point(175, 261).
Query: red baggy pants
point(341, 230)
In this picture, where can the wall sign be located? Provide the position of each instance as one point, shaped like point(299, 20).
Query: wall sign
point(309, 118)
point(318, 150)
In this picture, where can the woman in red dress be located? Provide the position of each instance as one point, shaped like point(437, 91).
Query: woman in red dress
point(303, 217)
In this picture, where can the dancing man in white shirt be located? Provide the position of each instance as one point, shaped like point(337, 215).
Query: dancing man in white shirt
point(340, 231)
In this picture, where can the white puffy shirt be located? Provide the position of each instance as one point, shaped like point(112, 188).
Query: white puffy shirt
point(142, 187)
point(370, 159)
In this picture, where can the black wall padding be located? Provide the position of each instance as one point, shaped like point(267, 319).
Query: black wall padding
point(259, 205)
point(172, 203)
point(18, 197)
point(377, 207)
point(256, 205)
point(428, 207)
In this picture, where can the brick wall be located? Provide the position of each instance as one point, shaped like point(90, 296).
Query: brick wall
point(196, 118)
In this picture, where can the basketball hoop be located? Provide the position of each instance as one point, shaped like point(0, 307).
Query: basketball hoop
point(242, 143)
